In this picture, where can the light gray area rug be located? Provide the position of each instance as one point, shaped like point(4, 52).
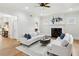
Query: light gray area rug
point(34, 50)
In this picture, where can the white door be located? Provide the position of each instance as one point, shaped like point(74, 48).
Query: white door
point(13, 27)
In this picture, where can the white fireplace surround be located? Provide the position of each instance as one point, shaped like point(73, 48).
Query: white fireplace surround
point(57, 26)
point(46, 29)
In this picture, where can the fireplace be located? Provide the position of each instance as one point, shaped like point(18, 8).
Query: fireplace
point(55, 32)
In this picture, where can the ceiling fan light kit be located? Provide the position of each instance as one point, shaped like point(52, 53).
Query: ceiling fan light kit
point(44, 5)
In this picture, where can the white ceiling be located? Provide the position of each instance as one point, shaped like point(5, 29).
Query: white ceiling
point(34, 8)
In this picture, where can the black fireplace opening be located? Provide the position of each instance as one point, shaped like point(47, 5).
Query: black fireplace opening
point(55, 32)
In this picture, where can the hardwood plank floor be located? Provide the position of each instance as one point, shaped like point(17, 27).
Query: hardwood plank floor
point(8, 47)
point(76, 48)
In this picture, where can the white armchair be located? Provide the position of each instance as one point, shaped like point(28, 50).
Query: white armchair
point(57, 48)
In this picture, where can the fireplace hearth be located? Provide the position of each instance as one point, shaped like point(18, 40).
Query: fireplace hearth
point(55, 32)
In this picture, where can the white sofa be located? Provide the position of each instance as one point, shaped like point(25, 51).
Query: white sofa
point(34, 38)
point(57, 48)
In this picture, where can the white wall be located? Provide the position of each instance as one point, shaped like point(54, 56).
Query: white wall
point(25, 23)
point(73, 29)
point(19, 23)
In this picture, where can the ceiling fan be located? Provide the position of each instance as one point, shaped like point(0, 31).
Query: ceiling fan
point(44, 5)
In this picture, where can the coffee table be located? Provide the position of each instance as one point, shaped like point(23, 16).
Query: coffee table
point(45, 42)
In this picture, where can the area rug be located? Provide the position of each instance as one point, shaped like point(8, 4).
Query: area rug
point(34, 50)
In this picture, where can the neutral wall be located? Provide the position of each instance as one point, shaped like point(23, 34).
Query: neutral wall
point(45, 24)
point(25, 23)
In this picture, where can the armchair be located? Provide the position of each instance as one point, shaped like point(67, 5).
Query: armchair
point(57, 48)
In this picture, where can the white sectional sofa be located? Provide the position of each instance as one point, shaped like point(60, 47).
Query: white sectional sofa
point(28, 42)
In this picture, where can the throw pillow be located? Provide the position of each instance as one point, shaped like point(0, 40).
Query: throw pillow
point(62, 36)
point(25, 35)
point(28, 36)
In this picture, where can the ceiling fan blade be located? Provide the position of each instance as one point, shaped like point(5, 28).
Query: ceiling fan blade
point(46, 3)
point(47, 6)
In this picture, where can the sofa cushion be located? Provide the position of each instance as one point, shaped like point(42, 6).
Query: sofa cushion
point(64, 43)
point(67, 37)
point(33, 34)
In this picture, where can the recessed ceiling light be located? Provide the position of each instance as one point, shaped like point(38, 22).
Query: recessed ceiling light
point(26, 7)
point(70, 9)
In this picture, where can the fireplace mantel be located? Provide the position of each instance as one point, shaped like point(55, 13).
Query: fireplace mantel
point(57, 26)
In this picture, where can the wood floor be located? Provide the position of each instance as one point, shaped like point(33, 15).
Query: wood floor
point(76, 48)
point(8, 48)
